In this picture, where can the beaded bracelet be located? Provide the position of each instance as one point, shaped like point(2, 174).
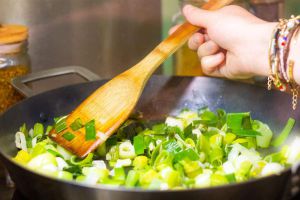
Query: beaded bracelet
point(281, 70)
point(284, 40)
point(274, 60)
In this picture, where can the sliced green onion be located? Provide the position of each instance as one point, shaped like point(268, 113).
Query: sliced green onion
point(216, 156)
point(68, 136)
point(60, 124)
point(139, 145)
point(59, 119)
point(87, 160)
point(38, 149)
point(264, 139)
point(274, 157)
point(217, 179)
point(55, 153)
point(101, 150)
point(126, 150)
point(187, 154)
point(132, 178)
point(90, 130)
point(191, 168)
point(24, 129)
point(235, 120)
point(188, 131)
point(140, 162)
point(164, 159)
point(285, 133)
point(230, 178)
point(48, 129)
point(159, 129)
point(147, 177)
point(38, 129)
point(170, 176)
point(229, 138)
point(119, 174)
point(246, 133)
point(171, 146)
point(208, 117)
point(76, 125)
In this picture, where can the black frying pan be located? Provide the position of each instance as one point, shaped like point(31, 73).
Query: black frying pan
point(162, 96)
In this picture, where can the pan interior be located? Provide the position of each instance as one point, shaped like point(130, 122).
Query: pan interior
point(162, 96)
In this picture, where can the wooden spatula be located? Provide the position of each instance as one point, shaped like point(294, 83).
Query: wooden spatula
point(111, 104)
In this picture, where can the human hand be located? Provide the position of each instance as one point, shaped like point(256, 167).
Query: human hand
point(233, 43)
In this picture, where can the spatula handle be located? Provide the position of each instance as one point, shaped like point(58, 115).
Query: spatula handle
point(172, 43)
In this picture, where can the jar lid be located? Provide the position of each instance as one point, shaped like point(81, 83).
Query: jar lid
point(10, 33)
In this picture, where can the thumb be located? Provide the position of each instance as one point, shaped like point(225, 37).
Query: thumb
point(198, 17)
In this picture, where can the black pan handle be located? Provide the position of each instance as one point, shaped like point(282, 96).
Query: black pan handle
point(19, 83)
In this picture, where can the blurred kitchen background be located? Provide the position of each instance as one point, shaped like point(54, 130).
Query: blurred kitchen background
point(107, 36)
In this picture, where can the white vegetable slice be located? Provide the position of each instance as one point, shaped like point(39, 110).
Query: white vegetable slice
point(228, 167)
point(65, 153)
point(293, 153)
point(126, 150)
point(173, 122)
point(189, 116)
point(123, 163)
point(272, 168)
point(203, 180)
point(196, 132)
point(61, 163)
point(100, 164)
point(92, 175)
point(20, 141)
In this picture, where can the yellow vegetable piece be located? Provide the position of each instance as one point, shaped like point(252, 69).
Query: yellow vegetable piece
point(22, 157)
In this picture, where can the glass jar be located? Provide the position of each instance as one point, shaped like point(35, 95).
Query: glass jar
point(14, 61)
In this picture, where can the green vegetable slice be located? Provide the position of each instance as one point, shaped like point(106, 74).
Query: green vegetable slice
point(187, 154)
point(139, 145)
point(132, 178)
point(60, 124)
point(235, 120)
point(90, 130)
point(82, 162)
point(38, 129)
point(246, 133)
point(68, 136)
point(76, 125)
point(285, 133)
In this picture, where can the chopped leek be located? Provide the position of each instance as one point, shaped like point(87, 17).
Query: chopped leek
point(285, 133)
point(68, 136)
point(38, 129)
point(76, 125)
point(138, 143)
point(60, 124)
point(90, 130)
point(191, 150)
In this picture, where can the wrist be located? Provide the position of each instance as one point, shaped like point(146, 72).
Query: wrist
point(261, 65)
point(294, 55)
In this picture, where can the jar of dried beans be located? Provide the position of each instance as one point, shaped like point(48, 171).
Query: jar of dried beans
point(14, 61)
